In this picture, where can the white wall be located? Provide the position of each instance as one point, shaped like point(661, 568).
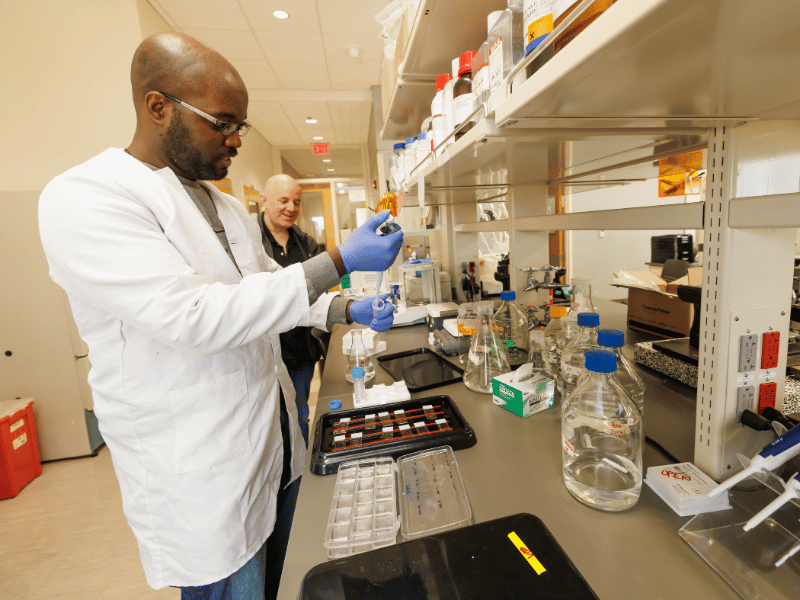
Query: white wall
point(67, 93)
point(599, 257)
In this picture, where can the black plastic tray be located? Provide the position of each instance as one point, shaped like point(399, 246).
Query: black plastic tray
point(421, 369)
point(326, 457)
point(471, 563)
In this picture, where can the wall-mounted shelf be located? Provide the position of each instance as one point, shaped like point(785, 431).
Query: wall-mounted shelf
point(669, 216)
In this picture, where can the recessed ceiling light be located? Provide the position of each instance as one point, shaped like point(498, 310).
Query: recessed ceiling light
point(326, 160)
point(330, 169)
point(310, 121)
point(317, 137)
point(340, 184)
point(280, 14)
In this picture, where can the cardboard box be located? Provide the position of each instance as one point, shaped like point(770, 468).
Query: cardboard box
point(653, 304)
point(524, 398)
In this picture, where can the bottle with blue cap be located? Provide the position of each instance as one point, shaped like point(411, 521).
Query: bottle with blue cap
point(573, 356)
point(602, 437)
point(613, 340)
point(397, 172)
point(408, 162)
point(512, 325)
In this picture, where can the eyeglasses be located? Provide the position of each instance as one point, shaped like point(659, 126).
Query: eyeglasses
point(226, 128)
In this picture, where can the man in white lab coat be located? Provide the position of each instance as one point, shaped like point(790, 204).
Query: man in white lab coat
point(181, 310)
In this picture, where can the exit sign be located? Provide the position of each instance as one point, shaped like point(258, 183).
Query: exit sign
point(321, 149)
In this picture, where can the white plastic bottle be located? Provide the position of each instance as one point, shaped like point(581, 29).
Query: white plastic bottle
point(408, 163)
point(438, 116)
point(573, 356)
point(449, 104)
point(602, 437)
point(626, 375)
point(421, 150)
point(506, 48)
point(397, 172)
point(538, 23)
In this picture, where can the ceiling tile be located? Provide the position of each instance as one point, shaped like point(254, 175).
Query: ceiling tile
point(257, 74)
point(302, 16)
point(298, 112)
point(273, 114)
point(206, 14)
point(233, 45)
point(299, 47)
point(302, 75)
point(336, 47)
point(350, 76)
point(358, 18)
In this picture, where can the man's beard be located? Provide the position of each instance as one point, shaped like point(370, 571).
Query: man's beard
point(177, 146)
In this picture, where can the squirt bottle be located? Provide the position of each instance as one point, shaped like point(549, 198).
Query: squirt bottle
point(602, 437)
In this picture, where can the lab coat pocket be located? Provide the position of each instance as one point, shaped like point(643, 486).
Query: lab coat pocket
point(211, 422)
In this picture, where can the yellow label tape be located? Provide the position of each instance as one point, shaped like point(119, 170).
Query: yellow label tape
point(523, 549)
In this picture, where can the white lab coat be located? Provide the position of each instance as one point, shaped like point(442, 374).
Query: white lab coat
point(185, 358)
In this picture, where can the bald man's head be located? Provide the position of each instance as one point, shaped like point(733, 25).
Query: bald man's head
point(281, 202)
point(170, 132)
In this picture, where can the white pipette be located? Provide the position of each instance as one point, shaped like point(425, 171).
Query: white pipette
point(771, 457)
point(378, 304)
point(792, 492)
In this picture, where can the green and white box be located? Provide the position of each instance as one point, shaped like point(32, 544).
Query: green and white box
point(523, 398)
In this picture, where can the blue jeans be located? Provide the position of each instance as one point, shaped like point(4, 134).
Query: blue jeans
point(301, 378)
point(260, 577)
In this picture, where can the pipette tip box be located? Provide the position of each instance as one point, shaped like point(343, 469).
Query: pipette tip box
point(685, 489)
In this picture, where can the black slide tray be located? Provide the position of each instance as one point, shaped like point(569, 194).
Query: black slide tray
point(325, 461)
point(477, 562)
point(444, 372)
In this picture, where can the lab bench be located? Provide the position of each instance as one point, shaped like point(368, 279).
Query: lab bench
point(515, 467)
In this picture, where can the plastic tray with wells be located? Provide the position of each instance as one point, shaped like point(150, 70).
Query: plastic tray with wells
point(367, 511)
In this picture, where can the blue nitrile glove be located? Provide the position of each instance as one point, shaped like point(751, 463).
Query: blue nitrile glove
point(365, 250)
point(361, 313)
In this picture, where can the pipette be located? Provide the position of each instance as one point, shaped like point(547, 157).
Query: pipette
point(792, 551)
point(792, 492)
point(378, 303)
point(771, 457)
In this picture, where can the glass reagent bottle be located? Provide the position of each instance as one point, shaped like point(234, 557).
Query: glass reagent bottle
point(574, 354)
point(626, 375)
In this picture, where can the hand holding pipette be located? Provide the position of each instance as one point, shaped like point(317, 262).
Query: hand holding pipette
point(771, 457)
point(792, 492)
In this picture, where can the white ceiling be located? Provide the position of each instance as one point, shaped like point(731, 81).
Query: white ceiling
point(294, 68)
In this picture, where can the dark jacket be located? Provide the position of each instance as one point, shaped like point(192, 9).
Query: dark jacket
point(298, 346)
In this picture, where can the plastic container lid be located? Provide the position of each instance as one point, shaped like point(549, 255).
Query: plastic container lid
point(400, 146)
point(432, 495)
point(508, 295)
point(493, 18)
point(334, 405)
point(558, 311)
point(588, 319)
point(420, 136)
point(357, 372)
point(442, 80)
point(465, 62)
point(601, 361)
point(410, 140)
point(611, 338)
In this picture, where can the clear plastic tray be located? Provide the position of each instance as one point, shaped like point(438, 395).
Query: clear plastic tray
point(433, 497)
point(364, 508)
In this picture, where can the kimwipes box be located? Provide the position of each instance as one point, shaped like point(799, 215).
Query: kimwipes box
point(653, 304)
point(523, 398)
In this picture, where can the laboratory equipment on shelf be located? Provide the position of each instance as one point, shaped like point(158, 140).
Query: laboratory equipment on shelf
point(791, 492)
point(512, 324)
point(537, 22)
point(359, 358)
point(466, 323)
point(487, 356)
point(397, 172)
point(506, 48)
point(548, 282)
point(359, 391)
point(438, 112)
point(613, 340)
point(480, 68)
point(463, 96)
point(581, 295)
point(602, 437)
point(421, 284)
point(573, 356)
point(770, 458)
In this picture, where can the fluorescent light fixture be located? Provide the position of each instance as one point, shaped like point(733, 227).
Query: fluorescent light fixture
point(326, 160)
point(317, 137)
point(340, 184)
point(310, 121)
point(330, 169)
point(280, 14)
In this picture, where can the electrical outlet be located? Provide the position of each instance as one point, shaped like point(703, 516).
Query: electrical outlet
point(766, 395)
point(770, 349)
point(745, 399)
point(748, 349)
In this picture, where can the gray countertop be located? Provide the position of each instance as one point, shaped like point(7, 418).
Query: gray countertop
point(516, 467)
